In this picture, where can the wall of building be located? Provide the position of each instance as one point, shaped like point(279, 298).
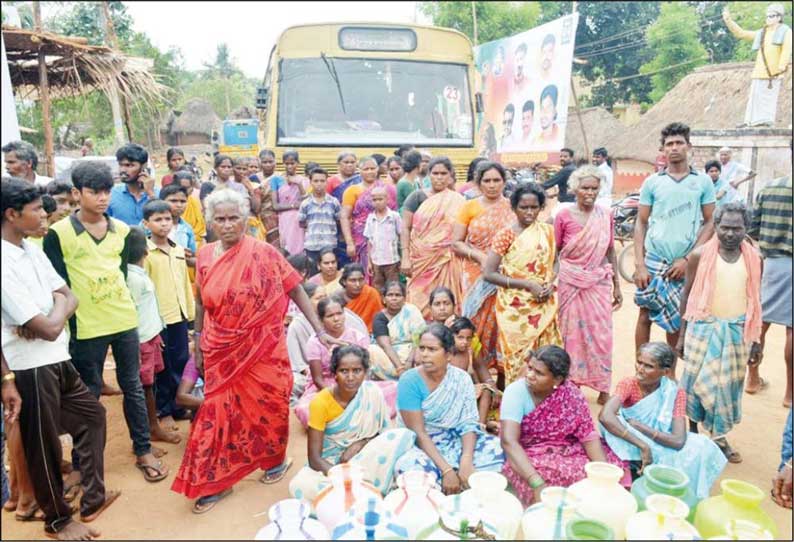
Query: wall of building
point(629, 175)
point(766, 151)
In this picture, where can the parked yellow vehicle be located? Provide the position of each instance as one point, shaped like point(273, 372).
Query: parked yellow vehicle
point(369, 88)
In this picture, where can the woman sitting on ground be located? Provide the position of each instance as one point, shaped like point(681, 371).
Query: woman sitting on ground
point(348, 422)
point(360, 298)
point(547, 432)
point(329, 274)
point(300, 331)
point(332, 315)
point(437, 402)
point(645, 422)
point(396, 329)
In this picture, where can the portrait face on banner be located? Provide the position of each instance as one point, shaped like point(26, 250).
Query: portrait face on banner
point(525, 83)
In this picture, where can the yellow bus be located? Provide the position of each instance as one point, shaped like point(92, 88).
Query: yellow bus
point(369, 88)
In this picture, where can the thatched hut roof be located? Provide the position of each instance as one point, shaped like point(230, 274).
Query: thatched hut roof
point(600, 126)
point(197, 117)
point(74, 67)
point(712, 97)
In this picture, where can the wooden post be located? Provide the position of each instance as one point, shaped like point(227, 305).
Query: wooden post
point(44, 96)
point(112, 90)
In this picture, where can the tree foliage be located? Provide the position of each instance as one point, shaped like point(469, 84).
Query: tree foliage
point(85, 19)
point(495, 20)
point(673, 40)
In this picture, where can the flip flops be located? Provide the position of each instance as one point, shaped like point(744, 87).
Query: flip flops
point(110, 498)
point(34, 514)
point(205, 504)
point(730, 454)
point(158, 468)
point(276, 474)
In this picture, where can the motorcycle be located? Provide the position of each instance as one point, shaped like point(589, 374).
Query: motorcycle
point(624, 212)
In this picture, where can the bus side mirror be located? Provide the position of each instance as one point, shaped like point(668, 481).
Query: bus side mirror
point(478, 105)
point(261, 97)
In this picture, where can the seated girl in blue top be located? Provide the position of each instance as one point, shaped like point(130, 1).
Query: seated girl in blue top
point(437, 402)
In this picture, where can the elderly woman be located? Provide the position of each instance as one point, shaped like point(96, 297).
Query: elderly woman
point(521, 263)
point(547, 431)
point(243, 287)
point(396, 329)
point(300, 331)
point(332, 315)
point(437, 402)
point(589, 284)
point(645, 422)
point(357, 206)
point(428, 219)
point(477, 224)
point(348, 423)
point(360, 298)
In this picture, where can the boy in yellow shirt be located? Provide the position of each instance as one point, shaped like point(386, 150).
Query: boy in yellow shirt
point(166, 265)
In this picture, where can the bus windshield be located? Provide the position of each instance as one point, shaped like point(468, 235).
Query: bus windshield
point(358, 101)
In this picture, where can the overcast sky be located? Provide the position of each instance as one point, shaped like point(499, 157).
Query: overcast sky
point(249, 28)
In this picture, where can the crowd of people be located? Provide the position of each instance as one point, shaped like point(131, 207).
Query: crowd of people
point(410, 320)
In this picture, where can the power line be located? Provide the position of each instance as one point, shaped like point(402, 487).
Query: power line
point(636, 75)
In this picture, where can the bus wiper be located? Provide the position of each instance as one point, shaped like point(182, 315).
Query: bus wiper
point(329, 63)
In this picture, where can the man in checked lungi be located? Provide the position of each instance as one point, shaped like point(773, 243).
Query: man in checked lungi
point(721, 327)
point(676, 207)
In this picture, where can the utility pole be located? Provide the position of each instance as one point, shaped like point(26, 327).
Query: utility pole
point(44, 96)
point(112, 90)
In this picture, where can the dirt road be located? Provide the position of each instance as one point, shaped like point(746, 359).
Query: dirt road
point(153, 511)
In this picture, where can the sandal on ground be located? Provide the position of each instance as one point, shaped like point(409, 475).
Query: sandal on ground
point(761, 387)
point(71, 492)
point(730, 454)
point(205, 504)
point(276, 474)
point(148, 469)
point(34, 514)
point(110, 497)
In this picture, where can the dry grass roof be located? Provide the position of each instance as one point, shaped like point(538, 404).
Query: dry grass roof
point(600, 126)
point(712, 97)
point(74, 67)
point(197, 117)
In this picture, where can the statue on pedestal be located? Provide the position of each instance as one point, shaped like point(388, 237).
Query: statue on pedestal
point(773, 43)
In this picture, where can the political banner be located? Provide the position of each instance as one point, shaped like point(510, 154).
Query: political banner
point(525, 82)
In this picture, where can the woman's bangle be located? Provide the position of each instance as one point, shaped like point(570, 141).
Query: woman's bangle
point(197, 333)
point(446, 471)
point(655, 434)
point(625, 432)
point(508, 283)
point(535, 481)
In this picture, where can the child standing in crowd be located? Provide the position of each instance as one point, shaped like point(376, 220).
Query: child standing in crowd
point(192, 215)
point(89, 251)
point(267, 161)
point(176, 159)
point(166, 265)
point(318, 215)
point(288, 195)
point(61, 192)
point(181, 234)
point(382, 231)
point(466, 356)
point(150, 324)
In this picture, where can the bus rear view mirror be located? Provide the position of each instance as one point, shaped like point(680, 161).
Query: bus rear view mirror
point(261, 97)
point(478, 105)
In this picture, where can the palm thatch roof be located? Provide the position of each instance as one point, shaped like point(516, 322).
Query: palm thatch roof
point(197, 117)
point(75, 68)
point(600, 126)
point(712, 97)
point(243, 112)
